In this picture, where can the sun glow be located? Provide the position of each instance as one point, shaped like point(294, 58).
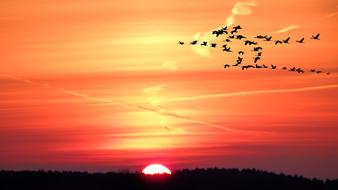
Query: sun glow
point(155, 169)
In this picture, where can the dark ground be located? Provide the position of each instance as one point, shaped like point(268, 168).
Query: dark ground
point(206, 179)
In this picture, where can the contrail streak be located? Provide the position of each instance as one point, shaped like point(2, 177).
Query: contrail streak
point(245, 93)
point(115, 102)
point(331, 15)
point(288, 28)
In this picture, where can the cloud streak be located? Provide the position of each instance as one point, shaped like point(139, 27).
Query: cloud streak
point(288, 28)
point(247, 93)
point(330, 15)
point(115, 102)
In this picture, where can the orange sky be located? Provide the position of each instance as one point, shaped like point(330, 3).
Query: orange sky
point(100, 86)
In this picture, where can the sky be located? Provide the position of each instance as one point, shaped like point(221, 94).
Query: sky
point(103, 85)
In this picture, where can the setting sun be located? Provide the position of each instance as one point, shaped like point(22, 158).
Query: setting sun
point(155, 169)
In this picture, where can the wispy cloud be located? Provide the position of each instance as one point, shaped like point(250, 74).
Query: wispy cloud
point(288, 28)
point(153, 89)
point(239, 9)
point(247, 93)
point(330, 15)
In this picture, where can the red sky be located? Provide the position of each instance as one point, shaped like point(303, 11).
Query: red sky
point(101, 86)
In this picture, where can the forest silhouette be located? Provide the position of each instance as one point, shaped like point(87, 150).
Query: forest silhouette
point(206, 179)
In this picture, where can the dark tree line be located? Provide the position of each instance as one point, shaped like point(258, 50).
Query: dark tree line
point(206, 179)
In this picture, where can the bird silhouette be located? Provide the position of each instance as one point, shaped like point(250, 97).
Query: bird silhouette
point(278, 42)
point(241, 52)
point(328, 73)
point(299, 70)
point(318, 72)
point(316, 37)
point(247, 67)
point(265, 67)
point(194, 42)
point(227, 40)
point(238, 27)
point(240, 37)
point(313, 70)
point(268, 38)
point(226, 48)
point(226, 66)
point(284, 68)
point(273, 66)
point(204, 43)
point(239, 60)
point(234, 31)
point(256, 59)
point(248, 42)
point(213, 45)
point(218, 32)
point(301, 40)
point(181, 43)
point(259, 37)
point(259, 54)
point(231, 37)
point(293, 69)
point(286, 40)
point(258, 67)
point(225, 28)
point(258, 49)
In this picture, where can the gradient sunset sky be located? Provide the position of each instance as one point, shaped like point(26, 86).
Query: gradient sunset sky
point(103, 85)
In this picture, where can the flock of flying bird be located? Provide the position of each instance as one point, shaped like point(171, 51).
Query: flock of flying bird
point(233, 34)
